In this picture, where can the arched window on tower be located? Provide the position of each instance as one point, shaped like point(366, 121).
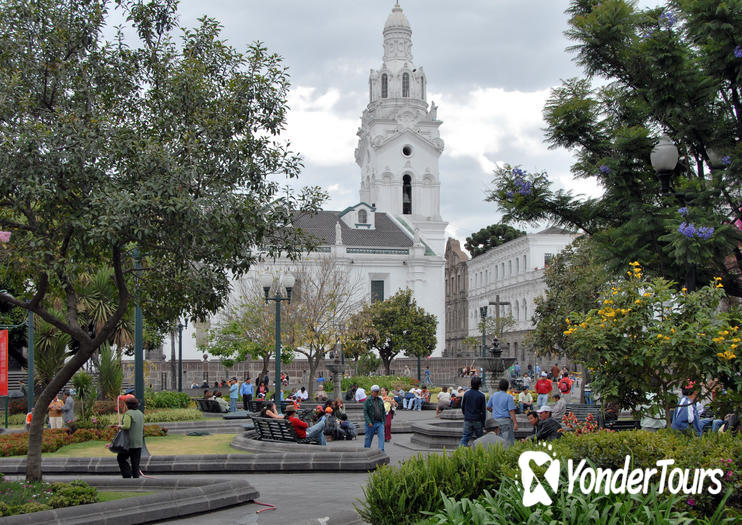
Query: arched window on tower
point(422, 88)
point(384, 86)
point(406, 195)
point(405, 85)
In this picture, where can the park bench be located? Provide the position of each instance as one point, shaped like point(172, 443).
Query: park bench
point(269, 429)
point(623, 424)
point(255, 405)
point(208, 405)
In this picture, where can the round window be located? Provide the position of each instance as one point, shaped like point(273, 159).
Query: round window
point(406, 150)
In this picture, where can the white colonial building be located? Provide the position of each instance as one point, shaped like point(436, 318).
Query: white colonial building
point(394, 237)
point(514, 273)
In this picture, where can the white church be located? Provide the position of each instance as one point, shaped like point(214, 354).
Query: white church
point(394, 237)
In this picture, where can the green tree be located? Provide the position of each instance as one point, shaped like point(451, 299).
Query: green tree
point(490, 237)
point(574, 280)
point(647, 337)
point(163, 145)
point(110, 372)
point(245, 330)
point(400, 325)
point(675, 70)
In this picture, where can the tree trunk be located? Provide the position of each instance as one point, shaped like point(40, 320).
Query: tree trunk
point(387, 364)
point(36, 431)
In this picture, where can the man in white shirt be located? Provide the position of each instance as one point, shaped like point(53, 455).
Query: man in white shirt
point(360, 395)
point(444, 401)
point(302, 394)
point(525, 401)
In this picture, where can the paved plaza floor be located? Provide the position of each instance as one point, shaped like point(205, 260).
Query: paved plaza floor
point(300, 498)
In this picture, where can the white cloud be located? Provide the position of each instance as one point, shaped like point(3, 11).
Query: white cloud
point(317, 130)
point(487, 123)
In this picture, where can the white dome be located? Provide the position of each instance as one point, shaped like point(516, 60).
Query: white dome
point(396, 19)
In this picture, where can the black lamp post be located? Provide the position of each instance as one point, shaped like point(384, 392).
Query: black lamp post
point(181, 325)
point(287, 281)
point(664, 158)
point(483, 316)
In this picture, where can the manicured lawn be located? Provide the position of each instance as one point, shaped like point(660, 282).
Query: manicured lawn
point(111, 495)
point(158, 446)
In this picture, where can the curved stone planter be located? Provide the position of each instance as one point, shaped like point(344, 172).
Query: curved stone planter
point(445, 432)
point(177, 499)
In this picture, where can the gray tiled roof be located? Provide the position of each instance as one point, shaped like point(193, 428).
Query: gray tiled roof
point(386, 234)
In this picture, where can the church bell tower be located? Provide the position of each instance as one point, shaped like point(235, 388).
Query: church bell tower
point(398, 142)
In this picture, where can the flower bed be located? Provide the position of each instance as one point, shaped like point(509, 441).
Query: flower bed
point(22, 497)
point(16, 444)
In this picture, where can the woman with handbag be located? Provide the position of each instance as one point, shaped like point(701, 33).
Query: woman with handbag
point(133, 424)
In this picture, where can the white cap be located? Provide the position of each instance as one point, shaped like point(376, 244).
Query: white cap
point(544, 374)
point(545, 408)
point(375, 388)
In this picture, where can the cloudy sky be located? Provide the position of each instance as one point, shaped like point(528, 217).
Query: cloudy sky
point(490, 65)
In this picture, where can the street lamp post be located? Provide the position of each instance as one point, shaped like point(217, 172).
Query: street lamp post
point(287, 281)
point(181, 325)
point(664, 158)
point(483, 315)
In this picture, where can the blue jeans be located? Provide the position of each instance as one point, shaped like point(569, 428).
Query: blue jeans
point(472, 430)
point(506, 429)
point(543, 399)
point(378, 429)
point(588, 397)
point(318, 431)
point(716, 425)
point(418, 403)
point(232, 404)
point(523, 408)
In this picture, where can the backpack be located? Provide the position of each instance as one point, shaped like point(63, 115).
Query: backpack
point(348, 429)
point(564, 385)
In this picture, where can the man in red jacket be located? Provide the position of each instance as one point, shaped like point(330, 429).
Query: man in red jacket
point(315, 431)
point(543, 389)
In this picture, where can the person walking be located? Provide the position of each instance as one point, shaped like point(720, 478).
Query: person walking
point(133, 423)
point(247, 390)
point(68, 411)
point(373, 413)
point(234, 392)
point(473, 407)
point(427, 380)
point(55, 413)
point(502, 407)
point(543, 389)
point(555, 372)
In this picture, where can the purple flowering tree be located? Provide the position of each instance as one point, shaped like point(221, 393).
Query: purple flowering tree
point(660, 70)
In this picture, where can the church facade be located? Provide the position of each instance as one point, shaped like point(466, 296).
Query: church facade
point(394, 237)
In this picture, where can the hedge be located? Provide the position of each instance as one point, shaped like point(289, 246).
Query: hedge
point(405, 493)
point(16, 444)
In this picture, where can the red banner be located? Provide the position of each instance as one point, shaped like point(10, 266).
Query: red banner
point(3, 362)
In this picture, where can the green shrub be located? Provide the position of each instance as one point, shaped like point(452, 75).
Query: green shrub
point(159, 415)
point(401, 494)
point(71, 494)
point(28, 508)
point(166, 399)
point(505, 506)
point(4, 509)
point(365, 382)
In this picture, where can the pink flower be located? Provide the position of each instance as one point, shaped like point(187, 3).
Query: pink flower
point(4, 236)
point(729, 475)
point(691, 502)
